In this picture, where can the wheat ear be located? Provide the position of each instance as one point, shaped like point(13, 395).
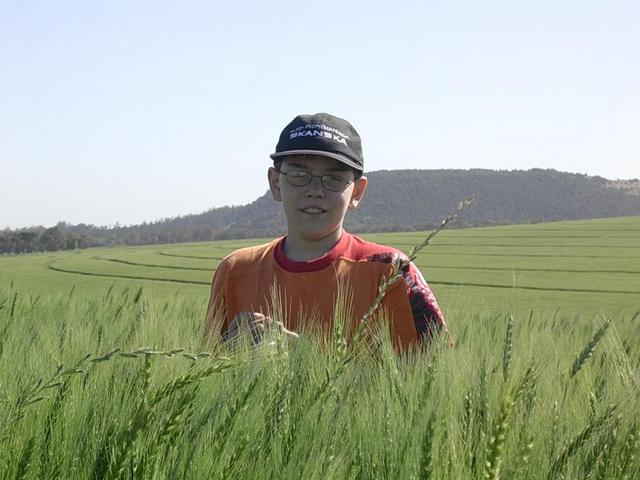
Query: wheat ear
point(588, 349)
point(400, 263)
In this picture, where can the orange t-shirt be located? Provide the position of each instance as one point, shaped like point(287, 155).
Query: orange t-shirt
point(248, 280)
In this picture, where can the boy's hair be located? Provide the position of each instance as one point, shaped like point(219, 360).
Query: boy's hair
point(277, 164)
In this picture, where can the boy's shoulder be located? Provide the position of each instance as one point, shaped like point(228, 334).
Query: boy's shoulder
point(351, 248)
point(249, 256)
point(360, 250)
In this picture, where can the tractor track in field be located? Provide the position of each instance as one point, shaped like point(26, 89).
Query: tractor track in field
point(129, 277)
point(153, 265)
point(545, 289)
point(532, 255)
point(489, 237)
point(425, 267)
point(535, 255)
point(432, 282)
point(610, 228)
point(548, 245)
point(618, 257)
point(175, 255)
point(526, 269)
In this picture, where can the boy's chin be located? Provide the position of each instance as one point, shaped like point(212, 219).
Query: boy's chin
point(318, 234)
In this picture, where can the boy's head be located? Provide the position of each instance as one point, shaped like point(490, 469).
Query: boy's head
point(321, 134)
point(317, 175)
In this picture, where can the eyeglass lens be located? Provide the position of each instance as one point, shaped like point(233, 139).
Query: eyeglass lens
point(334, 183)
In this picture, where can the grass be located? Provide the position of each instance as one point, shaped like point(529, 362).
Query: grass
point(581, 266)
point(106, 377)
point(289, 411)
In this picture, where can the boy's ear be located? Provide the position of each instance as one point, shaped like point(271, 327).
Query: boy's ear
point(359, 186)
point(274, 184)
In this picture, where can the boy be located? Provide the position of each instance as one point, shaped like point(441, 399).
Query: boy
point(317, 175)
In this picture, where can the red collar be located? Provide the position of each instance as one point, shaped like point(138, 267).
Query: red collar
point(312, 265)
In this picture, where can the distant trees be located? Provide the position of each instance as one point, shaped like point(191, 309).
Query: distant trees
point(22, 241)
point(53, 239)
point(40, 240)
point(26, 241)
point(396, 200)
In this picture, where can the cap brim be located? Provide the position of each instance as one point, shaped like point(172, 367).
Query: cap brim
point(335, 156)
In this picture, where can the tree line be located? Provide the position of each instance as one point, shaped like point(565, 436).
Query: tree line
point(40, 239)
point(396, 200)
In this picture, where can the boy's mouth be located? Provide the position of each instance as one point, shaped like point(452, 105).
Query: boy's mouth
point(313, 210)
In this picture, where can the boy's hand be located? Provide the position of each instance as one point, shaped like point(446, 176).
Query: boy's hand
point(258, 324)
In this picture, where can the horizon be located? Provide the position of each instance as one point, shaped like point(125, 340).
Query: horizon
point(122, 113)
point(266, 192)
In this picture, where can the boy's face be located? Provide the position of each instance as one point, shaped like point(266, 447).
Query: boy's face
point(313, 212)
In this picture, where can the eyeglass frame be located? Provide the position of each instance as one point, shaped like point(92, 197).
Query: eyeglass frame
point(311, 177)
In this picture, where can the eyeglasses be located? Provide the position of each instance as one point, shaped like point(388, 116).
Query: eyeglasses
point(300, 178)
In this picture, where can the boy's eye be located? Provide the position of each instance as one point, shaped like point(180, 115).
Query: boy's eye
point(300, 178)
point(335, 179)
point(334, 183)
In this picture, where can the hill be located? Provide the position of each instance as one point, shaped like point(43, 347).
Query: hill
point(396, 200)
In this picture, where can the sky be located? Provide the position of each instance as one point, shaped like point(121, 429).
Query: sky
point(131, 111)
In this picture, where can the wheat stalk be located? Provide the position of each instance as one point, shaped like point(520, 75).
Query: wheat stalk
point(187, 379)
point(22, 469)
point(426, 451)
point(221, 434)
point(493, 461)
point(35, 392)
point(177, 422)
point(12, 310)
point(399, 264)
point(527, 383)
point(578, 442)
point(588, 349)
point(144, 414)
point(52, 419)
point(629, 451)
point(508, 349)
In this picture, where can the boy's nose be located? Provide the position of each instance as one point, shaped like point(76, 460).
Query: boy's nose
point(315, 187)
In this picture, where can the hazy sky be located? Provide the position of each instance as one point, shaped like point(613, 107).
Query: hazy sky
point(125, 111)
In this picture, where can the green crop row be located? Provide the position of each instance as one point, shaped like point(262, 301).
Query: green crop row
point(122, 385)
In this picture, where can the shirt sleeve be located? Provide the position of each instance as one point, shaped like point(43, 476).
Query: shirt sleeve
point(427, 316)
point(216, 318)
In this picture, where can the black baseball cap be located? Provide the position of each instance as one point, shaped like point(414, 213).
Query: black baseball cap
point(321, 134)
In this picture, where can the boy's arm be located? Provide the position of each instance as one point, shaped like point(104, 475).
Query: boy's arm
point(257, 324)
point(218, 323)
point(215, 321)
point(427, 316)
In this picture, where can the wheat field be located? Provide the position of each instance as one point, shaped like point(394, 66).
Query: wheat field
point(109, 377)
